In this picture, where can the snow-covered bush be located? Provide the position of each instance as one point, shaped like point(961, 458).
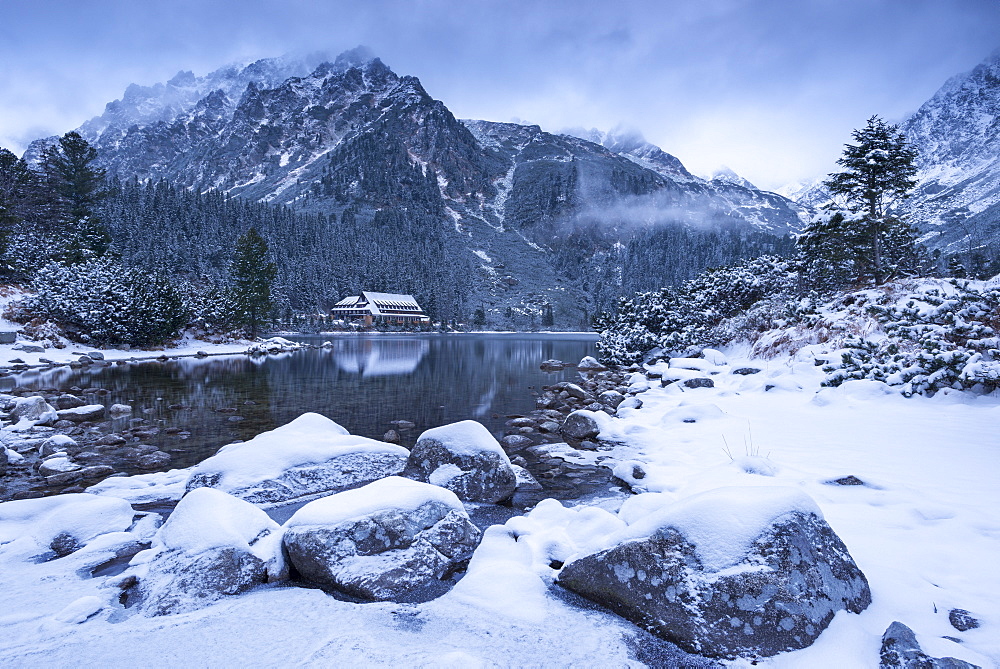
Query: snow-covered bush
point(936, 336)
point(105, 303)
point(694, 314)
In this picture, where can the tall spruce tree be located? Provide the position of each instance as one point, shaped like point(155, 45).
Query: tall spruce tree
point(878, 173)
point(68, 190)
point(252, 274)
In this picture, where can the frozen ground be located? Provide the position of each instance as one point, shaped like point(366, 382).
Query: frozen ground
point(924, 528)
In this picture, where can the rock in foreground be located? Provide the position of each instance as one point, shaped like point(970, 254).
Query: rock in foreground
point(900, 650)
point(310, 456)
point(212, 545)
point(464, 458)
point(386, 541)
point(733, 572)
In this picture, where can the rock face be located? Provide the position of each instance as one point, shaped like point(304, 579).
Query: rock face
point(464, 458)
point(900, 650)
point(311, 455)
point(729, 573)
point(388, 540)
point(212, 545)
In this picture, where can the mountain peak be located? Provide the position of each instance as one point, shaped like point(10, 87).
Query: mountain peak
point(359, 56)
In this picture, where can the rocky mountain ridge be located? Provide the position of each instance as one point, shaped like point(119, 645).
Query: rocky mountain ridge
point(957, 136)
point(353, 139)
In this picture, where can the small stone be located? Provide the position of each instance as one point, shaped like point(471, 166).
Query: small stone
point(516, 442)
point(117, 410)
point(745, 371)
point(391, 437)
point(153, 460)
point(699, 383)
point(112, 440)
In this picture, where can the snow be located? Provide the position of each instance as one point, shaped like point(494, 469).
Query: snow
point(144, 488)
point(207, 518)
point(923, 528)
point(393, 492)
point(467, 437)
point(33, 523)
point(722, 523)
point(310, 438)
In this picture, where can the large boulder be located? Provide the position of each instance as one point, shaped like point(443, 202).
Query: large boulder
point(35, 409)
point(900, 650)
point(211, 546)
point(464, 458)
point(310, 456)
point(391, 540)
point(728, 573)
point(583, 424)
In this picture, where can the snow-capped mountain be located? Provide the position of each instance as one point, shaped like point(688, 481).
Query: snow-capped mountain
point(957, 134)
point(957, 137)
point(353, 138)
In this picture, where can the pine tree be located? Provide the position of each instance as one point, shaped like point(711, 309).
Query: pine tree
point(878, 173)
point(67, 193)
point(15, 179)
point(252, 274)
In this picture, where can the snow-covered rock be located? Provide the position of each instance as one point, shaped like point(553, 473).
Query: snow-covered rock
point(56, 443)
point(66, 521)
point(900, 650)
point(35, 409)
point(145, 488)
point(309, 456)
point(87, 412)
point(464, 458)
point(590, 364)
point(57, 465)
point(212, 545)
point(389, 540)
point(584, 424)
point(729, 572)
point(273, 345)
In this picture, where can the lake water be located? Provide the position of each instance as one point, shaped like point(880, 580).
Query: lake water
point(362, 382)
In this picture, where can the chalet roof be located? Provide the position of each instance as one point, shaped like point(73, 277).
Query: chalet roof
point(347, 301)
point(390, 299)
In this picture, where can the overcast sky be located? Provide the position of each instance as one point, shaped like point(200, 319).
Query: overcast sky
point(770, 88)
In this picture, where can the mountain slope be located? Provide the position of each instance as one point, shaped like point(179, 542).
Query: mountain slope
point(957, 134)
point(533, 212)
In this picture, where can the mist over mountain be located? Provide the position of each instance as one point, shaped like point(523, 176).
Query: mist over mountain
point(539, 216)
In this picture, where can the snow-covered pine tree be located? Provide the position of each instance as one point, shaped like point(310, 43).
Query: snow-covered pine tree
point(252, 274)
point(878, 173)
point(69, 189)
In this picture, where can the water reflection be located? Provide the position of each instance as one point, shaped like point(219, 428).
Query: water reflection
point(363, 383)
point(377, 357)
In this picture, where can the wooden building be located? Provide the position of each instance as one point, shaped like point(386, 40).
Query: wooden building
point(370, 307)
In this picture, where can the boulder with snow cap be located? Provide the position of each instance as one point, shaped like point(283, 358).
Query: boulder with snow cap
point(464, 458)
point(391, 540)
point(212, 545)
point(312, 455)
point(34, 409)
point(590, 364)
point(87, 412)
point(583, 424)
point(732, 572)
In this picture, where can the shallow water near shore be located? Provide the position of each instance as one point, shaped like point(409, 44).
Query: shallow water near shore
point(362, 382)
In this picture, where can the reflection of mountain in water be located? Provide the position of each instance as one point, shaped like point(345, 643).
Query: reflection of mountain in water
point(379, 357)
